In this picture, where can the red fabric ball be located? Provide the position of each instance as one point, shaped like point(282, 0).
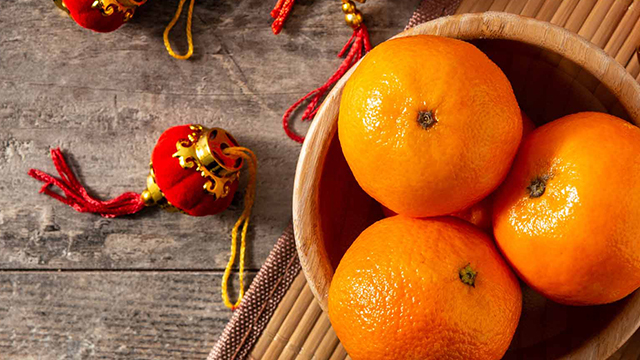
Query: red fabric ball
point(183, 188)
point(92, 18)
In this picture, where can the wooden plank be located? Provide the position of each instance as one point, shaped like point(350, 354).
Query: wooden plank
point(106, 98)
point(109, 315)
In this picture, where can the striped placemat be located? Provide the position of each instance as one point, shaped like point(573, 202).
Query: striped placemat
point(280, 319)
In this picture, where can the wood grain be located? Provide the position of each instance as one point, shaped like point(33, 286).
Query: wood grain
point(109, 315)
point(105, 99)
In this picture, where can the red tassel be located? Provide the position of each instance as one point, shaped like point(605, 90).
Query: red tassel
point(360, 45)
point(76, 195)
point(280, 13)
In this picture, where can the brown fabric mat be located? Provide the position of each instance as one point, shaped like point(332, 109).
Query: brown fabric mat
point(282, 265)
point(432, 9)
point(260, 301)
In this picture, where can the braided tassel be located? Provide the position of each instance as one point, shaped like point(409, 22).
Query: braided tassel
point(76, 195)
point(280, 13)
point(357, 46)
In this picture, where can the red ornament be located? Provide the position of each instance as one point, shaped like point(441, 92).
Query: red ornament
point(185, 175)
point(193, 169)
point(100, 15)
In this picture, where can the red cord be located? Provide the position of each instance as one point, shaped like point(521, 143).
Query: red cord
point(360, 44)
point(280, 13)
point(76, 195)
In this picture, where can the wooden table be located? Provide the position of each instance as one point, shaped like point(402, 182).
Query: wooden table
point(78, 286)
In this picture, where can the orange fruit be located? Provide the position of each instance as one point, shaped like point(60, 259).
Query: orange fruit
point(424, 289)
point(428, 125)
point(479, 214)
point(567, 216)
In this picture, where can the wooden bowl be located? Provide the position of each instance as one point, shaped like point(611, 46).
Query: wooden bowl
point(553, 73)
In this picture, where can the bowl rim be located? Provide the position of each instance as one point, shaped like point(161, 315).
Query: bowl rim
point(491, 25)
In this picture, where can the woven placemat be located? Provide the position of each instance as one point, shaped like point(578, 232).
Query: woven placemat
point(280, 319)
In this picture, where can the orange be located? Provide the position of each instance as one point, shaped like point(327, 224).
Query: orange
point(424, 289)
point(479, 214)
point(567, 216)
point(428, 125)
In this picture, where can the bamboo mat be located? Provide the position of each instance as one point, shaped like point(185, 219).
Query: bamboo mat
point(299, 329)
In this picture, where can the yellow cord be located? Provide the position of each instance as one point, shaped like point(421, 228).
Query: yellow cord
point(189, 38)
point(249, 197)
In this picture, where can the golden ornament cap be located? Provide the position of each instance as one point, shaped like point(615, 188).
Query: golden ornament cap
point(203, 151)
point(108, 7)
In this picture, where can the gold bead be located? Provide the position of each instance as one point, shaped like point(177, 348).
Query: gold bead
point(354, 19)
point(147, 198)
point(348, 7)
